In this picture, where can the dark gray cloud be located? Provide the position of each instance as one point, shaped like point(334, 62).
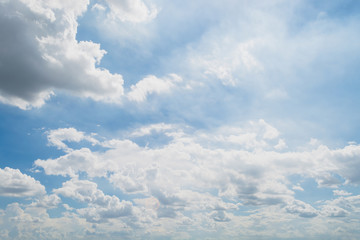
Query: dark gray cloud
point(40, 54)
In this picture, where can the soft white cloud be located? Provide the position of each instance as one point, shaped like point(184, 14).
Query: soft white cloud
point(347, 159)
point(16, 184)
point(297, 188)
point(201, 173)
point(342, 206)
point(40, 55)
point(147, 130)
point(48, 202)
point(131, 10)
point(150, 85)
point(20, 221)
point(341, 193)
point(70, 164)
point(98, 6)
point(334, 211)
point(254, 135)
point(101, 206)
point(57, 137)
point(222, 62)
point(302, 209)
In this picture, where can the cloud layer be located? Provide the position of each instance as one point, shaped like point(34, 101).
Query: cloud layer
point(201, 178)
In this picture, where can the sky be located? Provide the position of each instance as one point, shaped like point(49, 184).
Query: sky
point(154, 119)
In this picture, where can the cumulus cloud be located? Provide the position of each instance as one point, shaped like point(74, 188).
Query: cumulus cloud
point(334, 211)
point(16, 184)
point(101, 207)
point(40, 55)
point(70, 165)
point(47, 202)
point(181, 175)
point(57, 137)
point(302, 209)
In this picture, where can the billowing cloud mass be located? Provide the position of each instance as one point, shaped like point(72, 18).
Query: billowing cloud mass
point(16, 184)
point(200, 177)
point(40, 55)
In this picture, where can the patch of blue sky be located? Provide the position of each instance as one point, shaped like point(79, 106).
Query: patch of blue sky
point(50, 182)
point(312, 192)
point(337, 8)
point(27, 134)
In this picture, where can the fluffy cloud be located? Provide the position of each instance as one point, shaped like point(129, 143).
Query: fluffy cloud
point(69, 165)
point(40, 54)
point(181, 176)
point(47, 202)
point(301, 208)
point(57, 137)
point(101, 206)
point(16, 184)
point(150, 85)
point(256, 176)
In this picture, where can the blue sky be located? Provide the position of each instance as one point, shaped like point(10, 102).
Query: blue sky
point(152, 119)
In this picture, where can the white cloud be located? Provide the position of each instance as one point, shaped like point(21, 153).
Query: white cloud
point(341, 193)
point(183, 174)
point(101, 207)
point(254, 135)
point(347, 159)
point(342, 206)
point(298, 188)
point(48, 202)
point(75, 161)
point(16, 184)
point(224, 62)
point(302, 209)
point(150, 85)
point(98, 7)
point(281, 145)
point(334, 211)
point(131, 10)
point(40, 55)
point(57, 137)
point(147, 130)
point(27, 221)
